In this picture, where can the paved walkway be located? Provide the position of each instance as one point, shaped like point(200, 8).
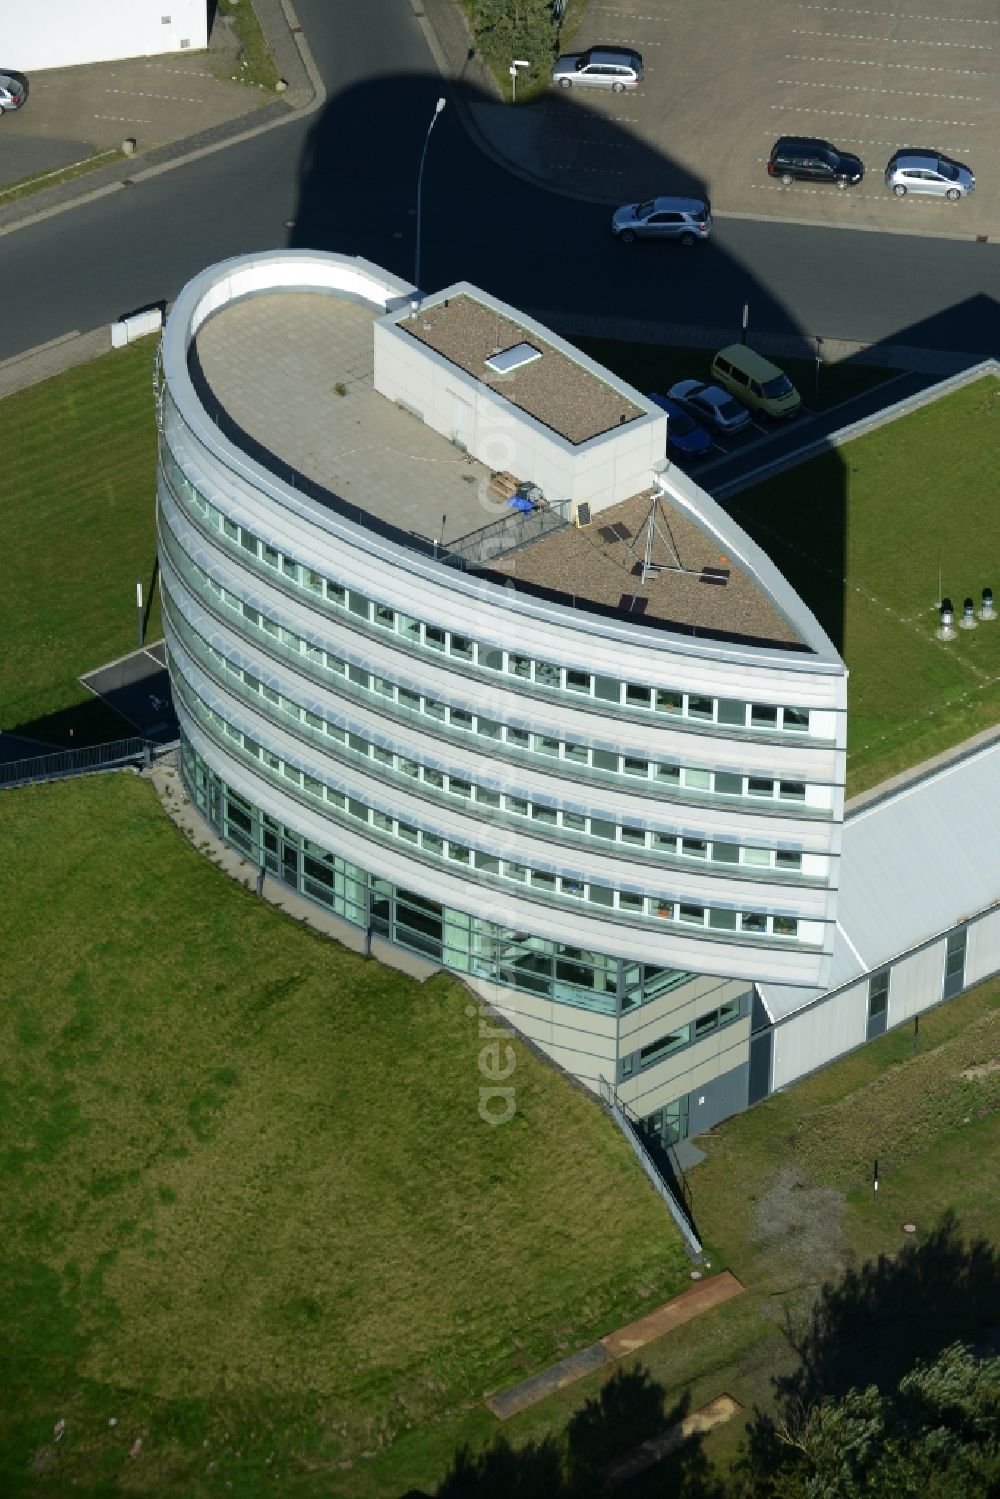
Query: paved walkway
point(627, 1340)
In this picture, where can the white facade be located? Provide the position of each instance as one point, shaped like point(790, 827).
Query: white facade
point(43, 34)
point(551, 802)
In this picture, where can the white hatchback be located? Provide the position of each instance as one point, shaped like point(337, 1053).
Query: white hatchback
point(927, 172)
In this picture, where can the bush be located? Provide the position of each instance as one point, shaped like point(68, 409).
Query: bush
point(505, 29)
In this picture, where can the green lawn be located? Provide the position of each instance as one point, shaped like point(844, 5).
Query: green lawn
point(655, 367)
point(885, 513)
point(246, 1197)
point(78, 515)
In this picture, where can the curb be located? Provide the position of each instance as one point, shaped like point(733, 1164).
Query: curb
point(280, 14)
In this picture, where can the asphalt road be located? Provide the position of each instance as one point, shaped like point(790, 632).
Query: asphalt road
point(345, 179)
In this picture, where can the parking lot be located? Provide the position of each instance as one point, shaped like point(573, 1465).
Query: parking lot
point(722, 82)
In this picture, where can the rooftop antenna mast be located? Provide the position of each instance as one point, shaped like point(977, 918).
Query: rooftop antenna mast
point(649, 568)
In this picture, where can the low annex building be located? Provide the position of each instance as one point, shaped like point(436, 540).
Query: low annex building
point(585, 749)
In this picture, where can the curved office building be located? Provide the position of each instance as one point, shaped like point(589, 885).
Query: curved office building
point(566, 731)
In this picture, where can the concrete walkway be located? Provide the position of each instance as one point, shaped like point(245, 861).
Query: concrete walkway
point(626, 1340)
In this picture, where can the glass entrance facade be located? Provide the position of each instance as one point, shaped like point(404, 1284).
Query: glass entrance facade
point(457, 940)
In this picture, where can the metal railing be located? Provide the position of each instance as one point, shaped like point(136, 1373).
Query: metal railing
point(673, 1190)
point(60, 764)
point(507, 534)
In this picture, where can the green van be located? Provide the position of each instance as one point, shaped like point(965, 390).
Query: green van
point(756, 382)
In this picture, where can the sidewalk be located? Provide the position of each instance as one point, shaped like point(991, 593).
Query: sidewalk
point(172, 105)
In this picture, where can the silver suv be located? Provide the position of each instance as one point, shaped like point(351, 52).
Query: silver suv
point(686, 219)
point(928, 172)
point(13, 90)
point(616, 68)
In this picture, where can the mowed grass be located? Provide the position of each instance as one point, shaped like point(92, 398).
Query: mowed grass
point(78, 527)
point(249, 1211)
point(785, 1197)
point(861, 533)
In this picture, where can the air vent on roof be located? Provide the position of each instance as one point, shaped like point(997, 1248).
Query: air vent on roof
point(513, 358)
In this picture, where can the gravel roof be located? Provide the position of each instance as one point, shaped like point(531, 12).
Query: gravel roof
point(602, 564)
point(554, 389)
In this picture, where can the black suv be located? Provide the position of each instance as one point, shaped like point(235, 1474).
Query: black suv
point(797, 158)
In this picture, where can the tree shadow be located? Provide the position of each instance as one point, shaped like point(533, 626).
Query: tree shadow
point(628, 1410)
point(876, 1323)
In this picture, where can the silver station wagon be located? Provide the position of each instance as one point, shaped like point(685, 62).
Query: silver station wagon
point(616, 68)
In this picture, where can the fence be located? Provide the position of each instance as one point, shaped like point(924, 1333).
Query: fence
point(507, 534)
point(77, 762)
point(674, 1191)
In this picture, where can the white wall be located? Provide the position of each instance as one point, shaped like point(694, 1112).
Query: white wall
point(62, 33)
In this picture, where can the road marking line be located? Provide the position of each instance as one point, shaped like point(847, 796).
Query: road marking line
point(863, 88)
point(893, 41)
point(899, 15)
point(848, 114)
point(864, 140)
point(867, 62)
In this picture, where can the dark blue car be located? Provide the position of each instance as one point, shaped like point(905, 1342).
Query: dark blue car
point(685, 439)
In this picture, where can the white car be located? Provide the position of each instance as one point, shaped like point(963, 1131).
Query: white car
point(13, 91)
point(709, 404)
point(928, 172)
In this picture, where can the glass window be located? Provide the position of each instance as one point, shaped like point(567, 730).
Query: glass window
point(382, 615)
point(489, 728)
point(669, 775)
point(763, 717)
point(785, 926)
point(697, 780)
point(434, 638)
point(753, 921)
point(705, 1024)
point(694, 848)
point(574, 822)
point(601, 827)
point(634, 835)
point(547, 675)
point(694, 915)
point(433, 778)
point(434, 709)
point(519, 666)
point(408, 699)
point(609, 689)
point(380, 820)
point(571, 887)
point(757, 858)
point(786, 858)
point(459, 853)
point(629, 900)
point(543, 814)
point(358, 675)
point(357, 809)
point(230, 528)
point(408, 628)
point(793, 791)
point(634, 767)
point(604, 759)
point(383, 687)
point(666, 1044)
point(577, 753)
point(487, 863)
point(726, 853)
point(700, 707)
point(728, 784)
point(518, 738)
point(729, 1011)
point(408, 767)
point(248, 541)
point(543, 880)
point(578, 681)
point(335, 594)
point(758, 786)
point(601, 895)
point(796, 720)
point(665, 843)
point(460, 646)
point(491, 657)
point(432, 844)
point(721, 920)
point(878, 995)
point(383, 756)
point(487, 798)
point(515, 871)
point(543, 745)
point(269, 554)
point(668, 700)
point(732, 712)
point(638, 697)
point(407, 832)
point(459, 787)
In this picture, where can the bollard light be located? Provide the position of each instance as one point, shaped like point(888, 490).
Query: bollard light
point(986, 612)
point(968, 620)
point(945, 630)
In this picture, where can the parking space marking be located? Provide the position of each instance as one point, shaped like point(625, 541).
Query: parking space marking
point(909, 67)
point(900, 15)
point(892, 41)
point(138, 93)
point(915, 200)
point(124, 119)
point(864, 88)
point(859, 140)
point(627, 15)
point(849, 114)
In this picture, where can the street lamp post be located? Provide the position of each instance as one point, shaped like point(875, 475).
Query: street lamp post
point(420, 183)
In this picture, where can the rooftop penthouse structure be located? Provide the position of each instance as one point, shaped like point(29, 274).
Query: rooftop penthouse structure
point(566, 731)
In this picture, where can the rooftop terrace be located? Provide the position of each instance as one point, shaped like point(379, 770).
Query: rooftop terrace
point(289, 377)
